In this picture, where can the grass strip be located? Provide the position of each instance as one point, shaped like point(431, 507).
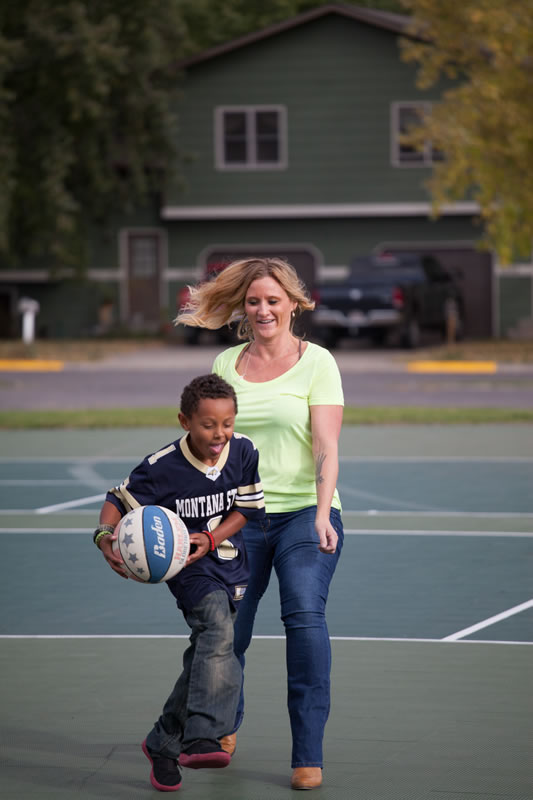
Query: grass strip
point(167, 417)
point(427, 415)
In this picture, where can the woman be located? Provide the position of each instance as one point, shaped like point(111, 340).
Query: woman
point(290, 403)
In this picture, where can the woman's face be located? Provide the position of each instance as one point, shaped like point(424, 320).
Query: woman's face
point(268, 308)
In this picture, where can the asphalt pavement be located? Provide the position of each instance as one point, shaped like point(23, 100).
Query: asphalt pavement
point(153, 377)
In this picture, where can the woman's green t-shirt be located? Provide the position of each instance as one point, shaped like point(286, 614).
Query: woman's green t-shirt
point(275, 415)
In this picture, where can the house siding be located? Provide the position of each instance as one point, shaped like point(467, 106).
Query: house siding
point(337, 79)
point(338, 240)
point(338, 148)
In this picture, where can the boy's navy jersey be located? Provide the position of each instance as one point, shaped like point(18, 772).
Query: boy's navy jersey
point(202, 496)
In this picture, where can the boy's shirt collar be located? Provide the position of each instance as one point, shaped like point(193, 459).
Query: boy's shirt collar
point(211, 472)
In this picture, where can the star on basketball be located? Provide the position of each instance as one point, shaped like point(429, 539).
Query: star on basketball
point(152, 542)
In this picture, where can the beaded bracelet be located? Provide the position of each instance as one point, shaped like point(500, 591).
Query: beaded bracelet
point(211, 539)
point(101, 531)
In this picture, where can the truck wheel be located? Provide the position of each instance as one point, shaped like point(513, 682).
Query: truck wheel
point(192, 335)
point(379, 336)
point(330, 338)
point(411, 334)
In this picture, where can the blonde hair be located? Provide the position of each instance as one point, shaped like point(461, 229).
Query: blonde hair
point(220, 301)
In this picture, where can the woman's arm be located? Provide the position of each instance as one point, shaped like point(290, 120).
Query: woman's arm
point(326, 424)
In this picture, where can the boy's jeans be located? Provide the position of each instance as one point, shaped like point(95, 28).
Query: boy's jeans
point(204, 700)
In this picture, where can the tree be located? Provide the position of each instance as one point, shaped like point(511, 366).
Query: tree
point(211, 22)
point(85, 123)
point(484, 124)
point(86, 91)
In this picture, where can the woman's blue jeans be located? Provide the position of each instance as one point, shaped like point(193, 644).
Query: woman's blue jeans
point(289, 543)
point(203, 703)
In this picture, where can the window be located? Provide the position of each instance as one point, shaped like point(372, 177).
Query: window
point(250, 137)
point(144, 256)
point(405, 116)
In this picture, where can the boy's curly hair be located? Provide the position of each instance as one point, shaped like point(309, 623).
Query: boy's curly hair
point(209, 386)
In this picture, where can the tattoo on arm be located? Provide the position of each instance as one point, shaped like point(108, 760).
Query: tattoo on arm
point(321, 457)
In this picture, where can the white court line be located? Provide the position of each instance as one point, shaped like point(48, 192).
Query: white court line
point(87, 475)
point(454, 637)
point(83, 501)
point(370, 512)
point(437, 459)
point(41, 482)
point(348, 459)
point(69, 459)
point(46, 530)
point(279, 638)
point(360, 512)
point(374, 512)
point(17, 512)
point(371, 497)
point(399, 532)
point(348, 532)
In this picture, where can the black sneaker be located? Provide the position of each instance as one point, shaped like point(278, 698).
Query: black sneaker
point(204, 753)
point(165, 775)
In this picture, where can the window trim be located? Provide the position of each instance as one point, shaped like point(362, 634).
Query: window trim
point(251, 163)
point(428, 160)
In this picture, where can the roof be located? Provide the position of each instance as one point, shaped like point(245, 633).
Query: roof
point(387, 20)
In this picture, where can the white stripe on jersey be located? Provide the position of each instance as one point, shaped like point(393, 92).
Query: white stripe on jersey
point(125, 497)
point(244, 436)
point(160, 453)
point(250, 496)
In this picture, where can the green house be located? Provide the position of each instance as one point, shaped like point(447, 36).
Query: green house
point(292, 144)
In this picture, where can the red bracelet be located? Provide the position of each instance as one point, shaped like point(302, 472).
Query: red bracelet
point(211, 539)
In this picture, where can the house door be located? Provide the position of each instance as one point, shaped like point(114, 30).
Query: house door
point(144, 281)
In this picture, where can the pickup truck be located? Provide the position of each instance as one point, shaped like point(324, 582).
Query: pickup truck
point(389, 297)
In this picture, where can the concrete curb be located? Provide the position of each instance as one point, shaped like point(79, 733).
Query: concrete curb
point(453, 367)
point(30, 365)
point(200, 360)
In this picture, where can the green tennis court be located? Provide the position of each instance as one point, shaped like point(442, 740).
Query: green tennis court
point(430, 615)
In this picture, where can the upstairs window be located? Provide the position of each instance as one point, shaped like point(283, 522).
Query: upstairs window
point(405, 117)
point(250, 137)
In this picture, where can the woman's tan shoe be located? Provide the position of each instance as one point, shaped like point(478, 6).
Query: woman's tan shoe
point(229, 743)
point(306, 778)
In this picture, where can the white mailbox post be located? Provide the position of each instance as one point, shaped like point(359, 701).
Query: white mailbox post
point(29, 309)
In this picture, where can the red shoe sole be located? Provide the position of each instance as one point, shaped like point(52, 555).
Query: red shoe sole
point(159, 786)
point(215, 760)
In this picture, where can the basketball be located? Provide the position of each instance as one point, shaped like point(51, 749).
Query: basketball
point(153, 543)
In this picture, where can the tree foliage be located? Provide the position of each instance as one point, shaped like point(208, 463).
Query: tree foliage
point(85, 125)
point(86, 91)
point(484, 124)
point(211, 22)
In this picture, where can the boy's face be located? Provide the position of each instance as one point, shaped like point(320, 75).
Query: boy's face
point(210, 427)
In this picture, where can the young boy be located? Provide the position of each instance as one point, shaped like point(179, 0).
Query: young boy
point(210, 478)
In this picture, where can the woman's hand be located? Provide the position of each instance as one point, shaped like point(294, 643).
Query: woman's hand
point(327, 536)
point(202, 546)
point(114, 560)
